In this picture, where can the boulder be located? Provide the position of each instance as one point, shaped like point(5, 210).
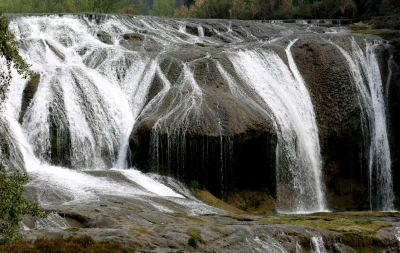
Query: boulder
point(200, 131)
point(105, 37)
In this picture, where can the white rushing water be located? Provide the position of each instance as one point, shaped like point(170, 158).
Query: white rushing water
point(299, 186)
point(365, 70)
point(92, 92)
point(266, 244)
point(317, 245)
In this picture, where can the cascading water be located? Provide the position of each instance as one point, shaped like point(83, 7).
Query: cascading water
point(89, 96)
point(298, 156)
point(97, 84)
point(91, 93)
point(365, 70)
point(317, 245)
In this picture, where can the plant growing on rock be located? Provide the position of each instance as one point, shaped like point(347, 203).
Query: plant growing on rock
point(13, 204)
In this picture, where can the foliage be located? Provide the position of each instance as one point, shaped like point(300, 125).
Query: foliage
point(194, 185)
point(164, 8)
point(73, 6)
point(13, 205)
point(187, 3)
point(287, 9)
point(127, 10)
point(63, 245)
point(10, 57)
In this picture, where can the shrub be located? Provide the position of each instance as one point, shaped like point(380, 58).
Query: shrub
point(194, 185)
point(192, 241)
point(13, 205)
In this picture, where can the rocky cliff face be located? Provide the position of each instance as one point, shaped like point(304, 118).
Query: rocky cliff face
point(227, 138)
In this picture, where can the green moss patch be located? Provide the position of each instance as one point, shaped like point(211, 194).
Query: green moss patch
point(221, 229)
point(357, 214)
point(71, 230)
point(194, 232)
point(364, 227)
point(142, 231)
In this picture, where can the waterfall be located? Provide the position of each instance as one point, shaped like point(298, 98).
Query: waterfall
point(88, 99)
point(266, 244)
point(298, 155)
point(364, 68)
point(102, 77)
point(201, 31)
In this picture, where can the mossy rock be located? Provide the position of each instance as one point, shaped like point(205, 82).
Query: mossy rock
point(358, 240)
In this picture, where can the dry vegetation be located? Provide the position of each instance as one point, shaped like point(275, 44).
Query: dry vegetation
point(84, 244)
point(183, 215)
point(211, 200)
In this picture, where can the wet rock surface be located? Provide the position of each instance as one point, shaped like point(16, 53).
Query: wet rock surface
point(105, 37)
point(152, 231)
